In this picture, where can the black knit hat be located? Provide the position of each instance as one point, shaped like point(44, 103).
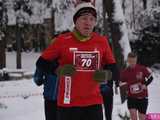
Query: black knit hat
point(83, 8)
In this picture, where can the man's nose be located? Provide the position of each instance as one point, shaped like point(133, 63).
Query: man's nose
point(88, 22)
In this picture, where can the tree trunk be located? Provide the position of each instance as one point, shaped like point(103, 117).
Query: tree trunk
point(106, 29)
point(2, 37)
point(144, 4)
point(108, 6)
point(2, 53)
point(18, 46)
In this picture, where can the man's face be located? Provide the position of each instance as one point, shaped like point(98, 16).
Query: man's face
point(85, 24)
point(132, 61)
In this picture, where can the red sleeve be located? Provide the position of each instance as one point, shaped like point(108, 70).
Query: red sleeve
point(53, 51)
point(146, 72)
point(108, 55)
point(122, 76)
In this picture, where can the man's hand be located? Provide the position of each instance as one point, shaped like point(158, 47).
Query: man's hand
point(66, 70)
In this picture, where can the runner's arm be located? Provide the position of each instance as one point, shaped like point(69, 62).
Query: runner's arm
point(148, 80)
point(47, 66)
point(48, 61)
point(115, 72)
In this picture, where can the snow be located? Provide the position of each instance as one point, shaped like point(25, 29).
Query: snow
point(21, 107)
point(28, 60)
point(39, 9)
point(23, 100)
point(63, 18)
point(64, 21)
point(38, 12)
point(154, 95)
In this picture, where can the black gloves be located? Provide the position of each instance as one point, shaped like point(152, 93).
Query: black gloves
point(39, 77)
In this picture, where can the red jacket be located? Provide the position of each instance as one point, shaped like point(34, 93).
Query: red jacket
point(135, 78)
point(79, 89)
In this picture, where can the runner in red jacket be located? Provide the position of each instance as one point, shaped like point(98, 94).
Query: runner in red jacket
point(79, 96)
point(137, 77)
point(86, 57)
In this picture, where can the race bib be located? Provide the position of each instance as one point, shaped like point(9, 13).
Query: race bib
point(86, 61)
point(135, 88)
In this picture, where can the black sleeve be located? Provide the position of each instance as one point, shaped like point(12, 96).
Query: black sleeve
point(115, 73)
point(149, 80)
point(47, 66)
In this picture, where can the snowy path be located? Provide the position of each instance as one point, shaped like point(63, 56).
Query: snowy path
point(25, 107)
point(21, 106)
point(154, 95)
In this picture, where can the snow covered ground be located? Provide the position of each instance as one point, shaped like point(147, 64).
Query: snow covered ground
point(28, 60)
point(23, 100)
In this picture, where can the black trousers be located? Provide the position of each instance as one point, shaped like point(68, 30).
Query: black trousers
point(93, 112)
point(108, 103)
point(50, 109)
